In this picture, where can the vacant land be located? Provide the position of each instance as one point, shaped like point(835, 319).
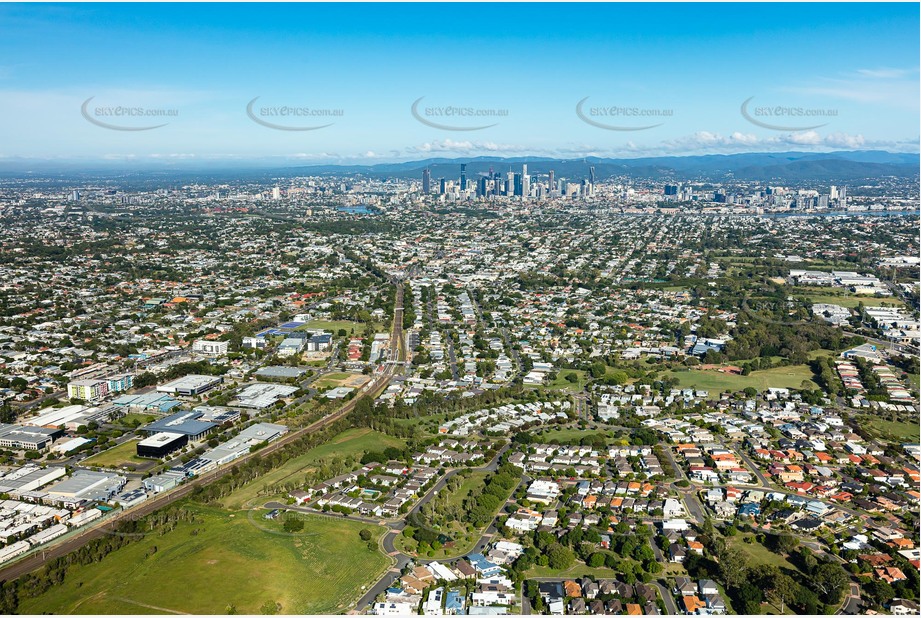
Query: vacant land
point(894, 430)
point(220, 562)
point(117, 456)
point(851, 300)
point(350, 328)
point(714, 381)
point(350, 442)
point(562, 383)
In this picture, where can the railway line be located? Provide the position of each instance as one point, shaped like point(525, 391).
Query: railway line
point(32, 562)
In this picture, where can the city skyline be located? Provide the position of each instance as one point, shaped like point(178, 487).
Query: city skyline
point(453, 81)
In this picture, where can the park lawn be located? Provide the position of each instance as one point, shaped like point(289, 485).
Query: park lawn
point(569, 433)
point(230, 560)
point(561, 383)
point(350, 442)
point(914, 380)
point(791, 376)
point(117, 456)
point(903, 432)
point(135, 419)
point(758, 553)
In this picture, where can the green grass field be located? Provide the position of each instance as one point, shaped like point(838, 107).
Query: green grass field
point(351, 328)
point(124, 453)
point(135, 419)
point(561, 383)
point(894, 430)
point(331, 379)
point(758, 553)
point(569, 433)
point(230, 561)
point(713, 381)
point(349, 442)
point(851, 300)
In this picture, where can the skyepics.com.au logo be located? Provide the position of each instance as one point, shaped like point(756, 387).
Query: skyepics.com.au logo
point(455, 118)
point(785, 117)
point(125, 117)
point(620, 117)
point(290, 117)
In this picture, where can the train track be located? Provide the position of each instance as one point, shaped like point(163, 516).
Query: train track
point(35, 561)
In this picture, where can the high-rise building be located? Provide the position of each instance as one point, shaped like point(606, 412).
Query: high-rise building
point(525, 181)
point(276, 193)
point(842, 197)
point(442, 186)
point(833, 192)
point(481, 186)
point(426, 181)
point(552, 182)
point(463, 186)
point(671, 189)
point(517, 184)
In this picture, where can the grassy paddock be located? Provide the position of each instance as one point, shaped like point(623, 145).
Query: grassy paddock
point(224, 560)
point(125, 453)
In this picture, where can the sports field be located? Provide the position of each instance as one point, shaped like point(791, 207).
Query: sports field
point(224, 561)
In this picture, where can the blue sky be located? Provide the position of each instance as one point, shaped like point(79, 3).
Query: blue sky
point(852, 68)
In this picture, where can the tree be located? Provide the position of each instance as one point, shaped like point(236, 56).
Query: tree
point(293, 525)
point(269, 608)
point(830, 580)
point(596, 560)
point(733, 567)
point(365, 534)
point(560, 557)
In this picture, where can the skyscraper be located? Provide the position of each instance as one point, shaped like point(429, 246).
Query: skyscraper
point(525, 181)
point(842, 197)
point(552, 182)
point(426, 181)
point(276, 193)
point(463, 177)
point(442, 186)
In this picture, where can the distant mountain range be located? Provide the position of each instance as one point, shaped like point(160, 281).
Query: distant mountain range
point(777, 167)
point(781, 166)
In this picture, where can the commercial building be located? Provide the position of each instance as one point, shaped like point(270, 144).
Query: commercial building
point(240, 445)
point(280, 372)
point(28, 478)
point(261, 395)
point(85, 486)
point(190, 385)
point(161, 444)
point(21, 437)
point(210, 348)
point(188, 423)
